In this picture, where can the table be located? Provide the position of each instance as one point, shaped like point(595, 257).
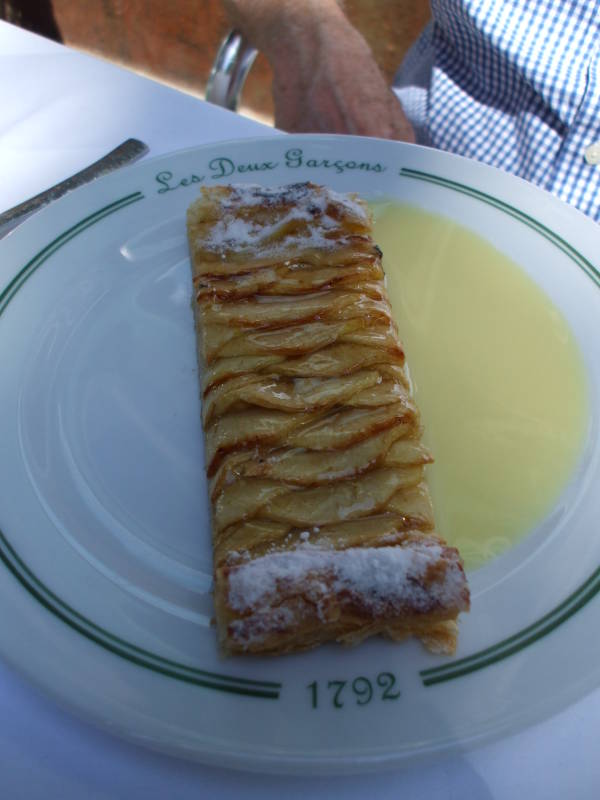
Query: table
point(60, 111)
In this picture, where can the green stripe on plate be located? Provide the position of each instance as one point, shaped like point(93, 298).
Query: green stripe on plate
point(518, 641)
point(582, 262)
point(128, 651)
point(48, 599)
point(17, 282)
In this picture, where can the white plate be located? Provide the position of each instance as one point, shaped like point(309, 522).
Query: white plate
point(105, 580)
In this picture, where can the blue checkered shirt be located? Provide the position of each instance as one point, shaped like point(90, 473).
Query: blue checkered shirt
point(515, 84)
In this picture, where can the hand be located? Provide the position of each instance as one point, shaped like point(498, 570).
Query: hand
point(325, 77)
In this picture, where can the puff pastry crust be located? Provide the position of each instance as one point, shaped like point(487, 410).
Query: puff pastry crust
point(321, 518)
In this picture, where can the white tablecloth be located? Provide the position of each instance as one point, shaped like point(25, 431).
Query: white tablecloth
point(60, 110)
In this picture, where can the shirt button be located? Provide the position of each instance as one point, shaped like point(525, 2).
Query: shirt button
point(592, 153)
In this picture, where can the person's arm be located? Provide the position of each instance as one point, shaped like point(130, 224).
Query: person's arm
point(325, 77)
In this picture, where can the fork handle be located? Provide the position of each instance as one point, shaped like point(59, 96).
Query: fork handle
point(125, 153)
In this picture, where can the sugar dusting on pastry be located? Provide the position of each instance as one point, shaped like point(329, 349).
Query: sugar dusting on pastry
point(232, 232)
point(300, 195)
point(378, 577)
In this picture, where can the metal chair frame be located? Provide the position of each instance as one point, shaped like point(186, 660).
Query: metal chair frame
point(230, 69)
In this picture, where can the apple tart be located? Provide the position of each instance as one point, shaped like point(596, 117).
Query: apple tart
point(322, 522)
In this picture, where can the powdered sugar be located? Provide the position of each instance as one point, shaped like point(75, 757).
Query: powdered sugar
point(307, 204)
point(382, 577)
point(259, 627)
point(300, 194)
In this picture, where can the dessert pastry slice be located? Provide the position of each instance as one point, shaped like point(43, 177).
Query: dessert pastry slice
point(322, 523)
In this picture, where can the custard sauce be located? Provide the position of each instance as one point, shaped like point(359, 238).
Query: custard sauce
point(498, 378)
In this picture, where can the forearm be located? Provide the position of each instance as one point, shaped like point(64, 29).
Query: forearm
point(325, 76)
point(275, 26)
